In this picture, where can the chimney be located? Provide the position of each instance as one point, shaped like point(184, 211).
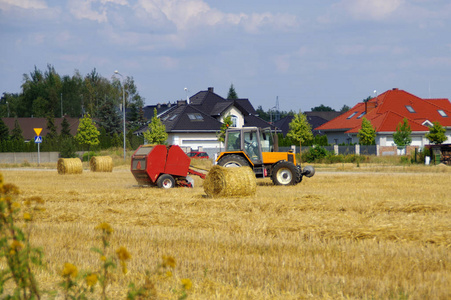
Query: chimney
point(181, 102)
point(211, 89)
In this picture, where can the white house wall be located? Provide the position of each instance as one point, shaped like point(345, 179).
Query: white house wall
point(234, 112)
point(194, 140)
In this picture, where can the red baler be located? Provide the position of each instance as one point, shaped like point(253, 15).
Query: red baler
point(163, 166)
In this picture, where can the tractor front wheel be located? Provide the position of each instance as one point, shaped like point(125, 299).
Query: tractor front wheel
point(285, 173)
point(233, 160)
point(166, 181)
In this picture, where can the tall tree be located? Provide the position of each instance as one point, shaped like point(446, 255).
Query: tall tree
point(322, 107)
point(109, 117)
point(4, 131)
point(65, 129)
point(402, 136)
point(300, 129)
point(232, 93)
point(156, 134)
point(344, 108)
point(17, 133)
point(367, 134)
point(87, 133)
point(436, 133)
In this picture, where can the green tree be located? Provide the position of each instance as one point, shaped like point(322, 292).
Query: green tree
point(300, 129)
point(345, 108)
point(226, 123)
point(156, 134)
point(109, 118)
point(87, 133)
point(402, 136)
point(16, 133)
point(232, 93)
point(4, 131)
point(367, 134)
point(65, 129)
point(322, 107)
point(436, 133)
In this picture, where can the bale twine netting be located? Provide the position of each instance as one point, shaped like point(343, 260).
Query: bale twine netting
point(69, 166)
point(230, 182)
point(101, 164)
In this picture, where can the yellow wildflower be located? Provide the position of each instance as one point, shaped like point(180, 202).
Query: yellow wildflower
point(105, 227)
point(103, 258)
point(91, 279)
point(69, 270)
point(187, 284)
point(168, 261)
point(27, 216)
point(16, 245)
point(16, 205)
point(123, 254)
point(168, 274)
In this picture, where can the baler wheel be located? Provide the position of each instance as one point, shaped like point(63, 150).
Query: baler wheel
point(166, 181)
point(285, 173)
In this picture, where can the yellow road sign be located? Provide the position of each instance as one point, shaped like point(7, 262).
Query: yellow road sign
point(37, 131)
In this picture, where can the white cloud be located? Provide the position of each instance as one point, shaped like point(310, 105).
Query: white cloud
point(186, 14)
point(370, 9)
point(84, 9)
point(25, 4)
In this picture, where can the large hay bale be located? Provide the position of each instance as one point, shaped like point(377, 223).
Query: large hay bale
point(230, 182)
point(69, 166)
point(101, 164)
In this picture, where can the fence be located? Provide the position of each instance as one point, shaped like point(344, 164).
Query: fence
point(30, 157)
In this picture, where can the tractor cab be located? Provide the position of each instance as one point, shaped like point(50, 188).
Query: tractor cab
point(250, 140)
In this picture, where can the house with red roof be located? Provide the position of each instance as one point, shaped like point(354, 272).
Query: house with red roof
point(385, 112)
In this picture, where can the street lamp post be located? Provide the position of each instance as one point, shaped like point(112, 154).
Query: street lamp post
point(123, 104)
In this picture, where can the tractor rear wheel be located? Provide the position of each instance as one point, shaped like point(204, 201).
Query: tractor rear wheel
point(166, 181)
point(233, 160)
point(285, 173)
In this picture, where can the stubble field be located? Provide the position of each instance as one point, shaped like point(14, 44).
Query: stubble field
point(337, 235)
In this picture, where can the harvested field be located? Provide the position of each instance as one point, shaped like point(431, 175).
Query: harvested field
point(333, 236)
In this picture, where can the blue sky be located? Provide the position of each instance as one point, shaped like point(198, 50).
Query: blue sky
point(305, 53)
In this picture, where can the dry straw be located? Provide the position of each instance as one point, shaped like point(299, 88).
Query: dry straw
point(230, 182)
point(69, 166)
point(101, 164)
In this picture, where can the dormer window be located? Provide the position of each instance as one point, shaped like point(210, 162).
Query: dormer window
point(353, 114)
point(442, 113)
point(410, 109)
point(195, 117)
point(427, 123)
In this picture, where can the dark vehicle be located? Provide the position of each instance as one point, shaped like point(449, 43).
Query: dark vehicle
point(198, 154)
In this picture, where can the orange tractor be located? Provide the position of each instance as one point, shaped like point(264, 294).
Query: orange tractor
point(258, 149)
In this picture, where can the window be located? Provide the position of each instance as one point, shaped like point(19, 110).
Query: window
point(353, 114)
point(410, 109)
point(173, 117)
point(234, 121)
point(442, 113)
point(195, 117)
point(361, 115)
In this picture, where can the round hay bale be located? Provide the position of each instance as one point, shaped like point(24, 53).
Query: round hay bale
point(230, 182)
point(69, 166)
point(101, 164)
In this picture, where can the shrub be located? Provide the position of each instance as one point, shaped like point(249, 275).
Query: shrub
point(314, 154)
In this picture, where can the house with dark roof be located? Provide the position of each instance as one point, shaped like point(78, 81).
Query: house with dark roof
point(385, 112)
point(28, 124)
point(314, 118)
point(195, 122)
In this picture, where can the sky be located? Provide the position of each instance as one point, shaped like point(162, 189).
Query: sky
point(294, 53)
